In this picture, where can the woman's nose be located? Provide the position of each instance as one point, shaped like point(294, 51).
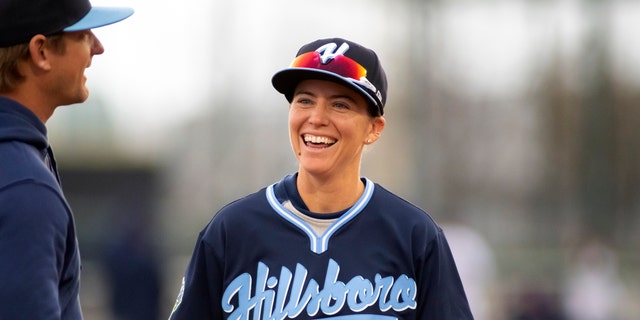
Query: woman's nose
point(318, 115)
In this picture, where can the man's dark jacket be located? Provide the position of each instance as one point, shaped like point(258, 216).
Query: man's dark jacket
point(39, 257)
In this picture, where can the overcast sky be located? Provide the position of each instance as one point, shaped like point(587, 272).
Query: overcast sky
point(161, 65)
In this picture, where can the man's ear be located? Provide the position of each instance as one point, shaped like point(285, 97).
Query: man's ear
point(39, 53)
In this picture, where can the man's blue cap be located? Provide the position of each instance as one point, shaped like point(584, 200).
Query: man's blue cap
point(20, 20)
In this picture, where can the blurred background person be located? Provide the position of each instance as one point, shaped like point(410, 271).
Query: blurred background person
point(593, 288)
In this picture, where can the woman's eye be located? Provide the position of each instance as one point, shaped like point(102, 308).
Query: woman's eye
point(340, 105)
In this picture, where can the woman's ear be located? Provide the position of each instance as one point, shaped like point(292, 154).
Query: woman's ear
point(376, 129)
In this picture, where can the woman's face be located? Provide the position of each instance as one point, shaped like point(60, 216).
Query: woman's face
point(329, 125)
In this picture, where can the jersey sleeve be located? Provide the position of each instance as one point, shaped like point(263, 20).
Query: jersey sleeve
point(33, 232)
point(443, 291)
point(199, 297)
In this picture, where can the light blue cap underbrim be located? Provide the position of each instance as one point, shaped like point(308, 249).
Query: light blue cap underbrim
point(100, 16)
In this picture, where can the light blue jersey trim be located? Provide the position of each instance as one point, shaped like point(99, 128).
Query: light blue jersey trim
point(321, 244)
point(361, 317)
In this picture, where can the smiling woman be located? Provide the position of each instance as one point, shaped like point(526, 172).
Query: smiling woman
point(379, 256)
point(329, 125)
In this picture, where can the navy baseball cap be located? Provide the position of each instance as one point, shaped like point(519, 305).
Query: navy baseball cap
point(20, 20)
point(341, 61)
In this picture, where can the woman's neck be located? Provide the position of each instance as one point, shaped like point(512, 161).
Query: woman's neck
point(329, 195)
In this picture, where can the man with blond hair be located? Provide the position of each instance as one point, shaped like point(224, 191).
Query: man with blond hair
point(45, 46)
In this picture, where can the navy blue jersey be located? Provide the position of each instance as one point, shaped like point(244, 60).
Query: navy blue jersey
point(39, 258)
point(383, 258)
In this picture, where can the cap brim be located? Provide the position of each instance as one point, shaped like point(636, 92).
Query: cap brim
point(100, 16)
point(286, 80)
